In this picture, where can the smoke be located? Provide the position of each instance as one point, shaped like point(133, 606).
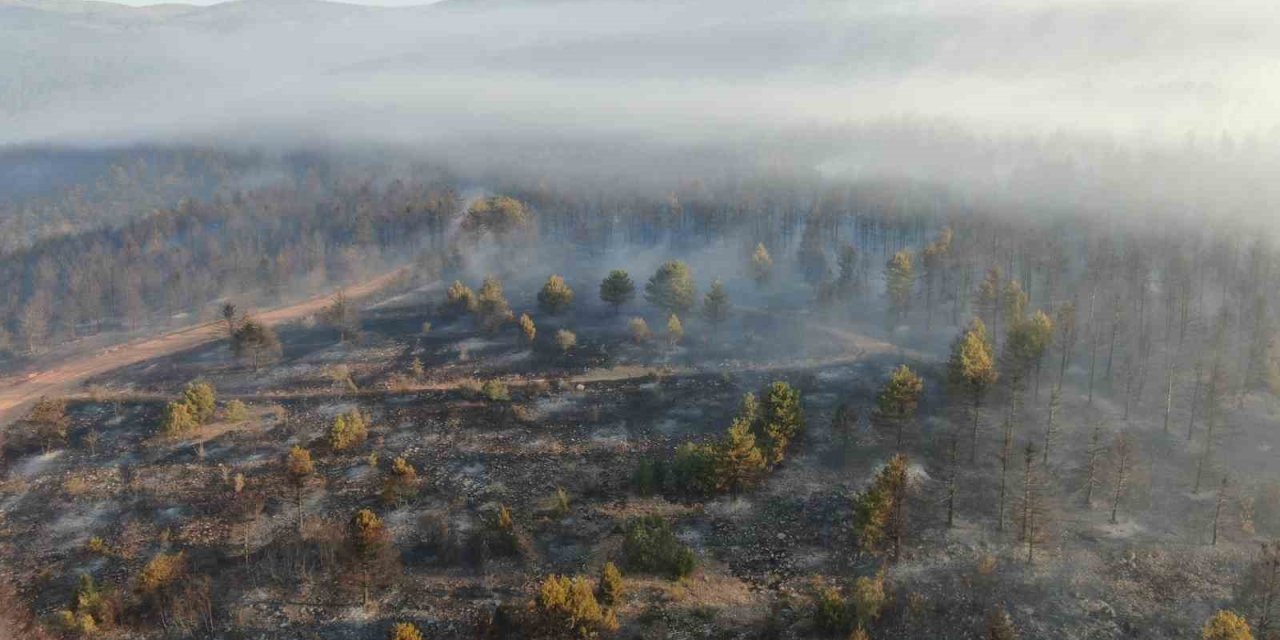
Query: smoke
point(985, 95)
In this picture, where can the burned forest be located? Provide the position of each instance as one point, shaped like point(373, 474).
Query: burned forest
point(763, 408)
point(663, 320)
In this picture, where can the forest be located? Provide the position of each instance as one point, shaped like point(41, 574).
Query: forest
point(760, 405)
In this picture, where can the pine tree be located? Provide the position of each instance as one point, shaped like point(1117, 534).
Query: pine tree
point(933, 259)
point(898, 399)
point(256, 341)
point(988, 299)
point(555, 295)
point(740, 463)
point(780, 421)
point(342, 315)
point(880, 511)
point(298, 470)
point(900, 279)
point(527, 328)
point(972, 369)
point(671, 288)
point(368, 544)
point(715, 305)
point(1013, 302)
point(761, 265)
point(491, 305)
point(850, 279)
point(675, 330)
point(229, 317)
point(617, 289)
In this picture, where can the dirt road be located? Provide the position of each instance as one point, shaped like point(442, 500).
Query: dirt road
point(63, 378)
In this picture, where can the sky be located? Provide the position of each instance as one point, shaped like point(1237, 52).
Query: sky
point(379, 3)
point(994, 93)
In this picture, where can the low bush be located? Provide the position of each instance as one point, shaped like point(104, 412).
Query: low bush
point(651, 547)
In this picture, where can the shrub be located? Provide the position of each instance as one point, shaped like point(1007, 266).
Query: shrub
point(348, 430)
point(1226, 625)
point(401, 484)
point(693, 472)
point(495, 391)
point(830, 612)
point(405, 631)
point(562, 501)
point(567, 607)
point(97, 546)
point(159, 580)
point(237, 411)
point(503, 538)
point(460, 299)
point(48, 419)
point(566, 340)
point(610, 585)
point(639, 330)
point(1000, 626)
point(869, 598)
point(651, 546)
point(492, 308)
point(649, 476)
point(179, 419)
point(90, 610)
point(201, 399)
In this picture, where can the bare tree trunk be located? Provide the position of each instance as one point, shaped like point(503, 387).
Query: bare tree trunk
point(951, 479)
point(977, 412)
point(1055, 399)
point(1005, 452)
point(1124, 457)
point(1095, 451)
point(1195, 398)
point(1093, 346)
point(1028, 504)
point(1217, 510)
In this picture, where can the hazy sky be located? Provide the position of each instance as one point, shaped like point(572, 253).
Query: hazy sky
point(381, 3)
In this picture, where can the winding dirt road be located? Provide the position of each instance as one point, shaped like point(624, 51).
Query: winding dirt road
point(63, 378)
